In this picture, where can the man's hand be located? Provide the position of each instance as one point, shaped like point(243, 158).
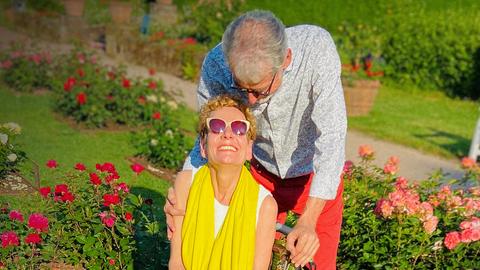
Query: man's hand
point(171, 211)
point(302, 241)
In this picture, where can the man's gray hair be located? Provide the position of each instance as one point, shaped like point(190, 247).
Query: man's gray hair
point(253, 42)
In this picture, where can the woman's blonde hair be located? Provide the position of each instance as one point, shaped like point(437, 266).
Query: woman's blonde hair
point(221, 102)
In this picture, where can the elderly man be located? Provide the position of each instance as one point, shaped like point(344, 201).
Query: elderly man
point(291, 79)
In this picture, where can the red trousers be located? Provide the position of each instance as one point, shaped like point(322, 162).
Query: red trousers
point(292, 194)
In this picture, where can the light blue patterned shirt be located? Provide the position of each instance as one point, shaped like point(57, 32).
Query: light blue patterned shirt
point(302, 127)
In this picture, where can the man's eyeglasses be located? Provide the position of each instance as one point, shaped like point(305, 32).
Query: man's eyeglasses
point(255, 92)
point(238, 127)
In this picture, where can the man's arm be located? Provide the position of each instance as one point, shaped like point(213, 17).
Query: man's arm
point(330, 120)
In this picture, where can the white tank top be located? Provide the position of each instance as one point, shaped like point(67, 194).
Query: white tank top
point(220, 210)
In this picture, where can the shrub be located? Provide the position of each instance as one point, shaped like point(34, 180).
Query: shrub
point(26, 71)
point(99, 96)
point(207, 22)
point(10, 155)
point(390, 223)
point(436, 51)
point(87, 223)
point(164, 144)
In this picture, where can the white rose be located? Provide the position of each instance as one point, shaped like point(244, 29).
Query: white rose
point(3, 138)
point(152, 98)
point(172, 104)
point(169, 133)
point(12, 157)
point(153, 142)
point(14, 127)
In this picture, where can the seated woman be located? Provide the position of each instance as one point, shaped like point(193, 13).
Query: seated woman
point(229, 218)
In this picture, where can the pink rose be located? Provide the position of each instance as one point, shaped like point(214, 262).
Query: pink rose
point(33, 238)
point(468, 163)
point(452, 239)
point(52, 164)
point(430, 225)
point(16, 215)
point(108, 219)
point(401, 183)
point(390, 169)
point(365, 151)
point(45, 191)
point(137, 168)
point(38, 222)
point(122, 186)
point(9, 238)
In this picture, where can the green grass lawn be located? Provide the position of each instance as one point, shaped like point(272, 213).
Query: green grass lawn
point(428, 121)
point(45, 137)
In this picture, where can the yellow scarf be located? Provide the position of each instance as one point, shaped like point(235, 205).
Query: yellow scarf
point(234, 246)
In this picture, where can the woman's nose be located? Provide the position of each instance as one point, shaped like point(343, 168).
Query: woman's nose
point(228, 133)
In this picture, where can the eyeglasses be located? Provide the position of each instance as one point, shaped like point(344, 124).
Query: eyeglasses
point(257, 93)
point(238, 127)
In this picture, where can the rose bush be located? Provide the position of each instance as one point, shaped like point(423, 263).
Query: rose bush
point(390, 223)
point(100, 96)
point(88, 221)
point(26, 70)
point(164, 145)
point(10, 155)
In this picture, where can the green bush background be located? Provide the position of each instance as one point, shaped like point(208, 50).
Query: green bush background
point(432, 44)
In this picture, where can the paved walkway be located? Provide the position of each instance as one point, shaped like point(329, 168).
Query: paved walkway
point(414, 164)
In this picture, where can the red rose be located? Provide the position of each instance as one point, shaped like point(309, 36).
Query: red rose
point(67, 197)
point(106, 167)
point(137, 168)
point(68, 85)
point(152, 85)
point(81, 98)
point(80, 72)
point(52, 164)
point(109, 199)
point(61, 189)
point(111, 75)
point(151, 71)
point(38, 222)
point(111, 262)
point(95, 179)
point(126, 83)
point(156, 115)
point(45, 191)
point(190, 41)
point(148, 201)
point(141, 100)
point(112, 177)
point(128, 216)
point(33, 238)
point(80, 167)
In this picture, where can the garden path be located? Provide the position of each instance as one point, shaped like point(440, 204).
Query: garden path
point(414, 164)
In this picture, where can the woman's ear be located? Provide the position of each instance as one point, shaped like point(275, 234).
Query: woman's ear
point(249, 150)
point(203, 147)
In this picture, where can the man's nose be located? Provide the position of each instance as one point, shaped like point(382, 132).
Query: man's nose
point(252, 99)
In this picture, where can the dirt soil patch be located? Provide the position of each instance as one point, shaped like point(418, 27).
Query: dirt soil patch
point(15, 184)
